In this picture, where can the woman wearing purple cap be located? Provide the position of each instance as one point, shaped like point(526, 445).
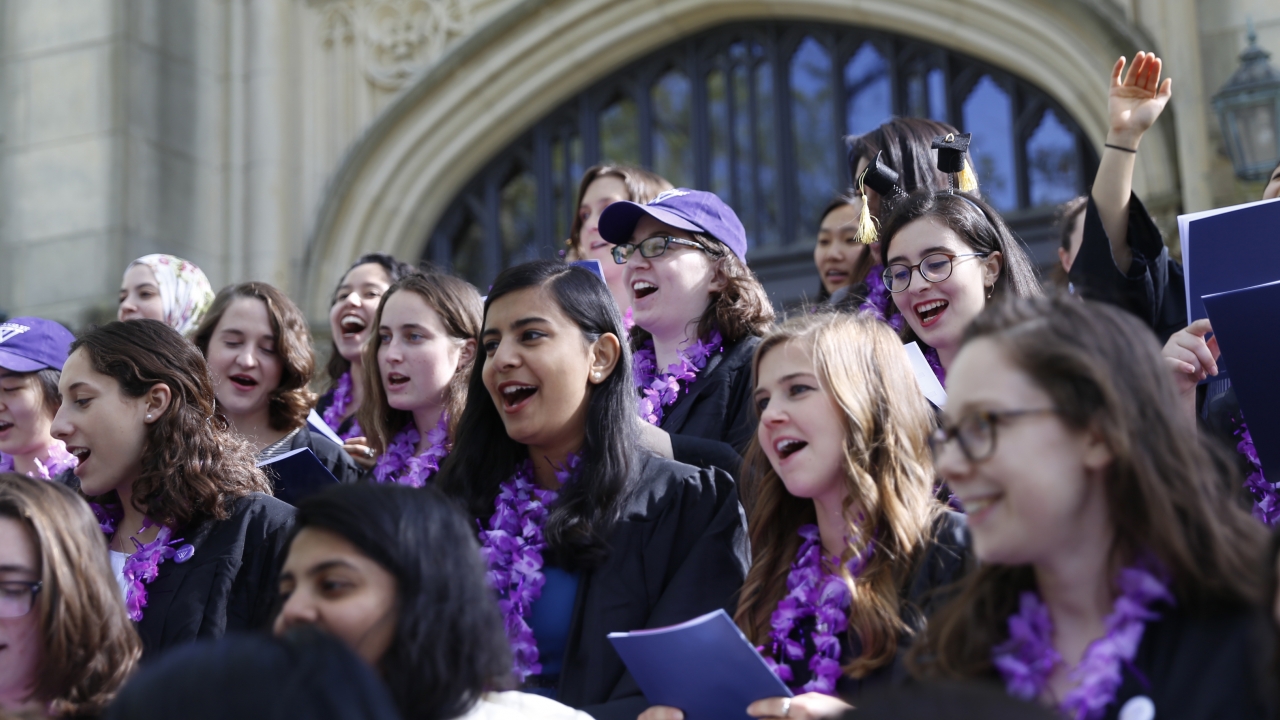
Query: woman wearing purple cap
point(32, 352)
point(699, 313)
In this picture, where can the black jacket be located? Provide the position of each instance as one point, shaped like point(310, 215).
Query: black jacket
point(679, 551)
point(1153, 289)
point(229, 584)
point(330, 454)
point(1202, 667)
point(713, 421)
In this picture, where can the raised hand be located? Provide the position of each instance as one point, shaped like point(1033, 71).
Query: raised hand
point(1137, 99)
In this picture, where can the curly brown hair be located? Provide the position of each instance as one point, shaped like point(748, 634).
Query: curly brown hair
point(193, 465)
point(89, 647)
point(291, 401)
point(460, 309)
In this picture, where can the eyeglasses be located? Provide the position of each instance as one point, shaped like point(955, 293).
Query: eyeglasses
point(17, 597)
point(653, 247)
point(976, 432)
point(934, 268)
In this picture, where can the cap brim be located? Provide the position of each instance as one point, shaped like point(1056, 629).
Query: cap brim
point(618, 221)
point(17, 363)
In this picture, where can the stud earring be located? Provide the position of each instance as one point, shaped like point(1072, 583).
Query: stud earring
point(148, 416)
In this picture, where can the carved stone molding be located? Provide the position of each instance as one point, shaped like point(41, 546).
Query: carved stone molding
point(395, 40)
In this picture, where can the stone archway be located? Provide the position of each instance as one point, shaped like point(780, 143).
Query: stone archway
point(397, 179)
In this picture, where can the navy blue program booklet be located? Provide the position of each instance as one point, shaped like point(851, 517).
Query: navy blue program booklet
point(297, 474)
point(1245, 322)
point(705, 667)
point(1228, 249)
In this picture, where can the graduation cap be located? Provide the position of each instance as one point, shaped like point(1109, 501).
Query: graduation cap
point(951, 160)
point(884, 180)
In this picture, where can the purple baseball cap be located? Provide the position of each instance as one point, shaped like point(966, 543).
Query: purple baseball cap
point(28, 344)
point(695, 211)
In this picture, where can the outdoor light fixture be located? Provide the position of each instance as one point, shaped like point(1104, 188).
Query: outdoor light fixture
point(1248, 109)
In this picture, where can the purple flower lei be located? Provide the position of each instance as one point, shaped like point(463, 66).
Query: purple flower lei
point(334, 414)
point(812, 592)
point(143, 566)
point(512, 549)
point(659, 391)
point(879, 302)
point(1266, 500)
point(398, 464)
point(59, 461)
point(1027, 658)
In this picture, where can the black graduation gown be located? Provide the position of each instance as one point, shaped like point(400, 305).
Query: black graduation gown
point(1153, 289)
point(678, 551)
point(713, 421)
point(943, 562)
point(1203, 667)
point(324, 403)
point(228, 585)
point(330, 454)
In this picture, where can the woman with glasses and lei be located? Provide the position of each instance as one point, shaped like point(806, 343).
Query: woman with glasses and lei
point(886, 164)
point(258, 348)
point(165, 288)
point(583, 532)
point(699, 312)
point(194, 537)
point(416, 369)
point(849, 543)
point(350, 325)
point(1118, 577)
point(66, 644)
point(32, 353)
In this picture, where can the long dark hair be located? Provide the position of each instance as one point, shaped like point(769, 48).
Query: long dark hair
point(1167, 494)
point(905, 145)
point(290, 400)
point(449, 646)
point(484, 456)
point(193, 465)
point(980, 227)
point(338, 365)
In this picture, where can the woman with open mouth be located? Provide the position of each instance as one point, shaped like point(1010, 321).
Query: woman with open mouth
point(350, 325)
point(416, 369)
point(843, 520)
point(584, 533)
point(165, 288)
point(258, 347)
point(946, 256)
point(194, 534)
point(32, 353)
point(1119, 577)
point(699, 312)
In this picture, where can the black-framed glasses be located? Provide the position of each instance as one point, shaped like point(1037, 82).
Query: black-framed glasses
point(934, 268)
point(17, 597)
point(654, 246)
point(976, 432)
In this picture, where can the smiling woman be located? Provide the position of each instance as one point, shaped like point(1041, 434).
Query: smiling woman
point(620, 539)
point(165, 288)
point(32, 353)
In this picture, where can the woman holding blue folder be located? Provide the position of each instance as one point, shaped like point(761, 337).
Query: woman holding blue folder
point(584, 532)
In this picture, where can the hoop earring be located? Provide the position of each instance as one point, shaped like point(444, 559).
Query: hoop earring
point(991, 290)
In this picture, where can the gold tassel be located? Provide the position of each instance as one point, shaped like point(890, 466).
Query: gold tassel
point(966, 181)
point(867, 231)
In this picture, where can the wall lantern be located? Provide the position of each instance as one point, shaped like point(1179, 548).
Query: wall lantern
point(1248, 109)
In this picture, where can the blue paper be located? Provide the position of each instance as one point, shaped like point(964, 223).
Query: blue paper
point(705, 667)
point(592, 266)
point(297, 474)
point(1228, 249)
point(1245, 323)
point(317, 423)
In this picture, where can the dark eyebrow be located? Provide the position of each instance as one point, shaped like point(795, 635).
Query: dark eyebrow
point(16, 569)
point(76, 385)
point(927, 251)
point(522, 322)
point(9, 374)
point(329, 565)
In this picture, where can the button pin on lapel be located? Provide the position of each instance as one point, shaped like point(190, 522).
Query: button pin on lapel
point(1139, 707)
point(185, 552)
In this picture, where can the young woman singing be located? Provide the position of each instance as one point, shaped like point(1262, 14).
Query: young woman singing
point(416, 370)
point(32, 353)
point(194, 538)
point(584, 534)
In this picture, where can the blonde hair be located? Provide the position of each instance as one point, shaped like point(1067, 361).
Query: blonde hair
point(888, 467)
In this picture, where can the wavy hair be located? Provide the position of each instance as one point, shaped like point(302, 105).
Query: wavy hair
point(89, 647)
point(484, 456)
point(337, 366)
point(1167, 493)
point(642, 186)
point(458, 304)
point(290, 402)
point(449, 646)
point(888, 469)
point(193, 465)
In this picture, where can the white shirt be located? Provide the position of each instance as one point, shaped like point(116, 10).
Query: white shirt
point(518, 706)
point(117, 568)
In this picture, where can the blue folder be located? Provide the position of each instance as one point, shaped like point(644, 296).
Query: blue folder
point(1247, 325)
point(1229, 249)
point(297, 474)
point(705, 667)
